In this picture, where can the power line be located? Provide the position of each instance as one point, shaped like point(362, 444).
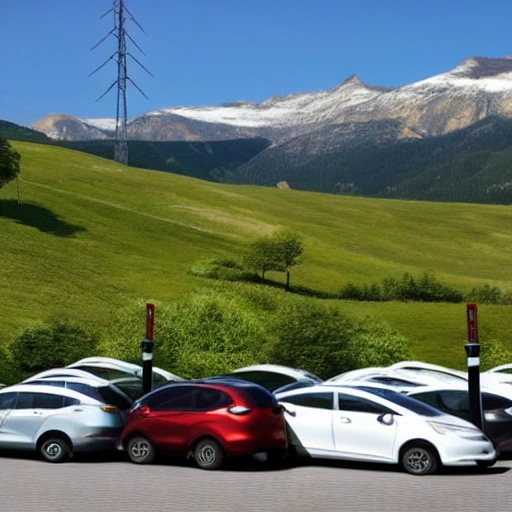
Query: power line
point(121, 14)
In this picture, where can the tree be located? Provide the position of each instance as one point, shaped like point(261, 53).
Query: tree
point(288, 250)
point(279, 252)
point(261, 256)
point(9, 162)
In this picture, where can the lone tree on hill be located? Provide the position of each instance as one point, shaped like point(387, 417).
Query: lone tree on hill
point(289, 249)
point(9, 162)
point(279, 252)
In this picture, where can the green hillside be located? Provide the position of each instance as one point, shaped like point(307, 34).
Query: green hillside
point(91, 233)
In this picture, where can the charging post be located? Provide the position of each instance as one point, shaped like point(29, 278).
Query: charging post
point(147, 350)
point(473, 354)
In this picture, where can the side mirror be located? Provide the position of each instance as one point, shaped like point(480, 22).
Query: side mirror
point(386, 418)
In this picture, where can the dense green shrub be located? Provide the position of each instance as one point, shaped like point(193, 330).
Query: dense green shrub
point(318, 338)
point(375, 343)
point(487, 294)
point(54, 345)
point(223, 270)
point(314, 337)
point(426, 289)
point(492, 354)
point(210, 333)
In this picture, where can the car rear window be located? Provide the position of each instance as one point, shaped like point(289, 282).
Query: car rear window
point(258, 396)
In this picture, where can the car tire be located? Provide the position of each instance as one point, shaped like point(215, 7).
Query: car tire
point(55, 449)
point(140, 450)
point(208, 454)
point(419, 459)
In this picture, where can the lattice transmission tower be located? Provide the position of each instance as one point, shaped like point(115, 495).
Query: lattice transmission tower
point(121, 13)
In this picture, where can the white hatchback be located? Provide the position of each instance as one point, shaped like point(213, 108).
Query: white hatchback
point(380, 425)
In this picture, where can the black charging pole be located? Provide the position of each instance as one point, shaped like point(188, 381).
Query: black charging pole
point(473, 353)
point(147, 350)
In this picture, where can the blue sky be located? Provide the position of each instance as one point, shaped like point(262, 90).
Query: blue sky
point(208, 52)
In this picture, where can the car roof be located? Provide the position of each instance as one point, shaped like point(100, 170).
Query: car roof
point(277, 368)
point(64, 378)
point(52, 390)
point(65, 372)
point(501, 390)
point(123, 366)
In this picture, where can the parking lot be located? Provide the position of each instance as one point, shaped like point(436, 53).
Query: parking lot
point(100, 485)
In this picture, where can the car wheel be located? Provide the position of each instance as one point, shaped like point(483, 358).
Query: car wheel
point(208, 454)
point(419, 460)
point(55, 449)
point(140, 450)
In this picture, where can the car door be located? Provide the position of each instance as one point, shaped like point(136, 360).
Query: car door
point(359, 432)
point(24, 421)
point(7, 404)
point(168, 422)
point(309, 418)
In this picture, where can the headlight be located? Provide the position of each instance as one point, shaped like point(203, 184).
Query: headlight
point(509, 411)
point(445, 428)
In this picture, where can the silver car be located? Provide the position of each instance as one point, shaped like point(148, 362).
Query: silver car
point(56, 422)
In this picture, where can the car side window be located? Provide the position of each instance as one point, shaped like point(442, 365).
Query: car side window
point(269, 380)
point(48, 401)
point(356, 404)
point(208, 399)
point(25, 401)
point(317, 400)
point(8, 400)
point(490, 401)
point(456, 401)
point(178, 398)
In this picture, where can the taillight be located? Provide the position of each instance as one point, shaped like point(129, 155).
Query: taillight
point(109, 408)
point(239, 410)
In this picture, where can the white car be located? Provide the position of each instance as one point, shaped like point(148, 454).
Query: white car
point(95, 387)
point(490, 378)
point(375, 424)
point(276, 377)
point(402, 380)
point(126, 376)
point(56, 422)
point(499, 374)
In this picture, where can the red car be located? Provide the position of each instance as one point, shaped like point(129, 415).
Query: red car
point(209, 421)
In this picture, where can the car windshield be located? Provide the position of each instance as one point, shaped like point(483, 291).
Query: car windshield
point(403, 401)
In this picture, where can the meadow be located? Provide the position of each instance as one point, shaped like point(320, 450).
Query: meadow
point(91, 234)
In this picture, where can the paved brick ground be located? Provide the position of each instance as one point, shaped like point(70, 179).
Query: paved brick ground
point(91, 485)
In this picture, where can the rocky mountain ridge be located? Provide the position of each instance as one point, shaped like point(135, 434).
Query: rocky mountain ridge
point(475, 89)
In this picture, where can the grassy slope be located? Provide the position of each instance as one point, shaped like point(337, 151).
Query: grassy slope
point(91, 233)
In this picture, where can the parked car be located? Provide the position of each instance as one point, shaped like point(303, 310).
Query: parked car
point(374, 424)
point(99, 389)
point(499, 374)
point(496, 407)
point(56, 422)
point(206, 420)
point(275, 377)
point(126, 376)
point(432, 371)
point(401, 380)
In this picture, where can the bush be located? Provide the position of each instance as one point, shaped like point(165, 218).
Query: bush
point(426, 289)
point(487, 294)
point(314, 337)
point(209, 333)
point(51, 346)
point(493, 353)
point(224, 270)
point(374, 343)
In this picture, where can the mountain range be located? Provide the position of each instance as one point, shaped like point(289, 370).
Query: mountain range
point(442, 138)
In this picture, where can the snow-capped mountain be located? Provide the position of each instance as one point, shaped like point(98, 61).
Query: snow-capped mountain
point(476, 88)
